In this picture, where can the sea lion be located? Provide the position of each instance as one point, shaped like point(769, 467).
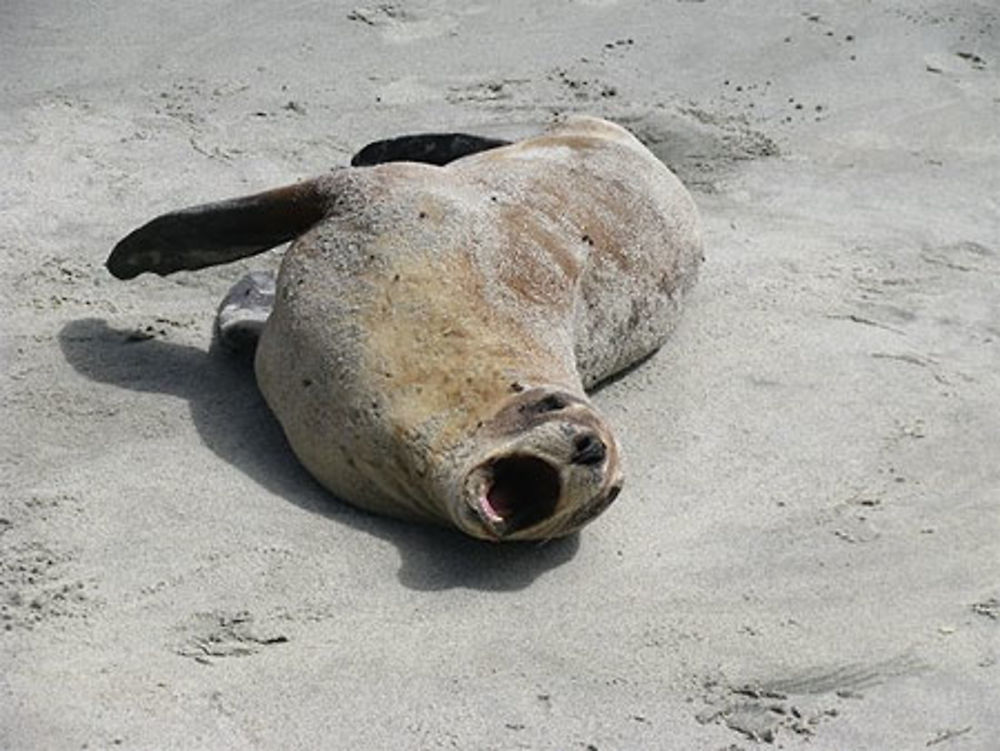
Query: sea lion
point(435, 328)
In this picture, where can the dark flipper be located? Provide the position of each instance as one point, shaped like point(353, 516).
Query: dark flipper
point(430, 148)
point(217, 233)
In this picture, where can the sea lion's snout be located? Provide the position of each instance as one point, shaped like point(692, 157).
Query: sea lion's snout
point(553, 467)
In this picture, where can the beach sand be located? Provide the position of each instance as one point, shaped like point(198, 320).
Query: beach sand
point(807, 551)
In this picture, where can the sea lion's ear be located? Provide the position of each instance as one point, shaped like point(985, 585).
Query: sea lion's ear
point(217, 233)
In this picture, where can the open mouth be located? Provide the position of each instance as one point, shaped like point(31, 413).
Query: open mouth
point(521, 491)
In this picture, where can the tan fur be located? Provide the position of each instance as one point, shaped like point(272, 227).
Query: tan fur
point(433, 303)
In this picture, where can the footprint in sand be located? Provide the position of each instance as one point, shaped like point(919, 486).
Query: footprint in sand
point(400, 25)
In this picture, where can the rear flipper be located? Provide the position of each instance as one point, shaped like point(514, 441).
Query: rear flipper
point(429, 148)
point(244, 311)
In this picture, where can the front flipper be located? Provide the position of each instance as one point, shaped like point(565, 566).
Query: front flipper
point(429, 148)
point(244, 311)
point(217, 233)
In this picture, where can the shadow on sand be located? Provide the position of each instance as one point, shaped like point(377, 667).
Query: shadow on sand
point(235, 423)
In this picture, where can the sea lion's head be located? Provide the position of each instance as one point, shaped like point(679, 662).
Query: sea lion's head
point(546, 464)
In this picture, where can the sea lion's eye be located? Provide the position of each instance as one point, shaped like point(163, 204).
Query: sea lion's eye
point(551, 403)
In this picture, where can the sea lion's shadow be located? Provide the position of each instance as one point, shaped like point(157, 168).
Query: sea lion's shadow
point(233, 421)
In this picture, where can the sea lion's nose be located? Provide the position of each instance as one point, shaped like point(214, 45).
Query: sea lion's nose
point(588, 449)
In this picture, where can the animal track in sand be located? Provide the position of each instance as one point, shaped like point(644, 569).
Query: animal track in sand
point(801, 703)
point(401, 25)
point(486, 91)
point(218, 634)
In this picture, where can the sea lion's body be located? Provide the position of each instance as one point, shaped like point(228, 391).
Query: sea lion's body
point(423, 318)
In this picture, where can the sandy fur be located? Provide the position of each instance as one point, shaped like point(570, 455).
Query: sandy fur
point(403, 320)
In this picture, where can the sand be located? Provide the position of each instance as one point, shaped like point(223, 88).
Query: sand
point(807, 552)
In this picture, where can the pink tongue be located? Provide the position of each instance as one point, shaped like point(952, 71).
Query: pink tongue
point(497, 504)
point(491, 516)
point(490, 510)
